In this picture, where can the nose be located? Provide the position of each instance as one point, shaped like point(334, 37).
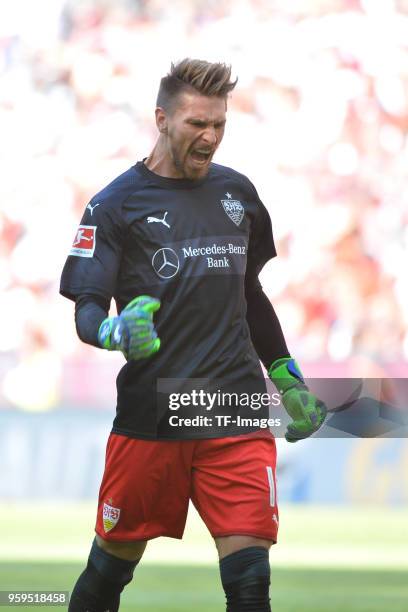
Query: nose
point(210, 136)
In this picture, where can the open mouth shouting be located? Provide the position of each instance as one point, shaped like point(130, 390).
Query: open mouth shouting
point(201, 156)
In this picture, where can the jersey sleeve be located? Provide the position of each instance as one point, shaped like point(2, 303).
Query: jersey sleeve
point(93, 262)
point(261, 246)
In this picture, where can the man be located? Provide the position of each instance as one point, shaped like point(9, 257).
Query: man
point(179, 242)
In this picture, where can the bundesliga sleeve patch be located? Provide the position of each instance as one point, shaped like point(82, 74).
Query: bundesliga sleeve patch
point(84, 242)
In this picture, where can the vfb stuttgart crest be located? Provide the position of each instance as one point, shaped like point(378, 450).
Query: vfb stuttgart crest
point(233, 208)
point(110, 517)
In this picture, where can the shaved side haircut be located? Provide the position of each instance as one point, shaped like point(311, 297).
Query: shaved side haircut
point(199, 76)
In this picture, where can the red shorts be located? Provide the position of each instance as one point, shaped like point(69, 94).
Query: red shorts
point(147, 485)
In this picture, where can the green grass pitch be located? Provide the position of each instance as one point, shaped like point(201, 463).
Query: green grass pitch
point(182, 588)
point(328, 560)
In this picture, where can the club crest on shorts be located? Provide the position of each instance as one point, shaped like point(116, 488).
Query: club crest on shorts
point(233, 208)
point(110, 517)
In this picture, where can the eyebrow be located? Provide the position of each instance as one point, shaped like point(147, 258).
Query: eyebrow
point(204, 122)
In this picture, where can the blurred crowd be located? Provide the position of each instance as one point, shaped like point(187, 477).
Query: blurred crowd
point(318, 122)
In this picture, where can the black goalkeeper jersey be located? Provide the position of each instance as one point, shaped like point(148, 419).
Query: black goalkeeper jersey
point(189, 244)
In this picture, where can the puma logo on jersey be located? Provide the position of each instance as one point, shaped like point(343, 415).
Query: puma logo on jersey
point(156, 220)
point(92, 208)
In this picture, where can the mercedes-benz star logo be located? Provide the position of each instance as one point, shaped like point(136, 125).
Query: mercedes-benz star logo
point(165, 263)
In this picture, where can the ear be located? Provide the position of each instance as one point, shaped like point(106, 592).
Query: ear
point(161, 120)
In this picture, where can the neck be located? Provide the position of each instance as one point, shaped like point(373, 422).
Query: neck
point(160, 162)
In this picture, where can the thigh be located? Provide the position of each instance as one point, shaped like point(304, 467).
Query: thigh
point(145, 489)
point(227, 545)
point(234, 486)
point(131, 551)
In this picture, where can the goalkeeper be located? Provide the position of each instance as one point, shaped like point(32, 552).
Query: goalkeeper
point(178, 242)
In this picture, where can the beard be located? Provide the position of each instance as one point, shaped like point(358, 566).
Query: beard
point(185, 165)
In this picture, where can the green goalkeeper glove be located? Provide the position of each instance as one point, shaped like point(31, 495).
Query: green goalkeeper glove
point(132, 332)
point(308, 412)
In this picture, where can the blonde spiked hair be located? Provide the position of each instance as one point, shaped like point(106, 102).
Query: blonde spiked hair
point(208, 79)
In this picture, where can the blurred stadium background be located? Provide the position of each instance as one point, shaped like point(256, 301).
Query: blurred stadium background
point(319, 123)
